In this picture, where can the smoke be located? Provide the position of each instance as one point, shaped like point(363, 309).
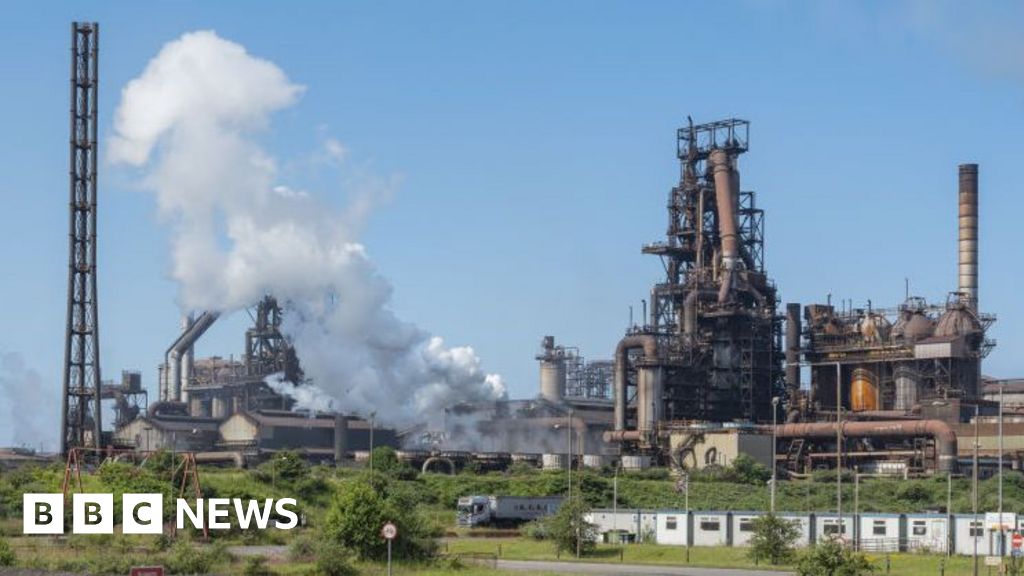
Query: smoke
point(22, 387)
point(190, 122)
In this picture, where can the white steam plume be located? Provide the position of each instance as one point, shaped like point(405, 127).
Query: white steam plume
point(31, 407)
point(189, 121)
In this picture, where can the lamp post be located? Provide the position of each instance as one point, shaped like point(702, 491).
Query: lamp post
point(568, 452)
point(775, 464)
point(839, 446)
point(1002, 535)
point(974, 483)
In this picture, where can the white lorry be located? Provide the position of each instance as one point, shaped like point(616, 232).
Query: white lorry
point(504, 510)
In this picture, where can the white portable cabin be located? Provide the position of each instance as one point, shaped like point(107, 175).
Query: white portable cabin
point(673, 527)
point(710, 528)
point(927, 532)
point(803, 522)
point(607, 520)
point(827, 526)
point(879, 532)
point(964, 532)
point(743, 527)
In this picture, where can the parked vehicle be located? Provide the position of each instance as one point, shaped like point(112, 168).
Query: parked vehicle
point(504, 510)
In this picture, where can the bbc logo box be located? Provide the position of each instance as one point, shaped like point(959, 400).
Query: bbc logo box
point(92, 513)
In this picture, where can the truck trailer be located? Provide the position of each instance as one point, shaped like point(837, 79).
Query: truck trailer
point(504, 510)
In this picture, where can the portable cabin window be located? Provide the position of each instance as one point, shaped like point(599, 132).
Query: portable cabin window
point(710, 525)
point(670, 523)
point(919, 528)
point(746, 524)
point(975, 530)
point(834, 527)
point(878, 528)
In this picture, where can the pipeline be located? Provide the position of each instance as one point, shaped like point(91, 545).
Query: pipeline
point(690, 310)
point(726, 201)
point(942, 433)
point(173, 357)
point(236, 458)
point(650, 347)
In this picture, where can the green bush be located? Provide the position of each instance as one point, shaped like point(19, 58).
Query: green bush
point(256, 566)
point(569, 530)
point(333, 560)
point(359, 512)
point(303, 547)
point(830, 558)
point(536, 529)
point(184, 558)
point(7, 555)
point(773, 539)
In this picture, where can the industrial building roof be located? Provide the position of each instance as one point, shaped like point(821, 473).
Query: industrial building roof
point(282, 419)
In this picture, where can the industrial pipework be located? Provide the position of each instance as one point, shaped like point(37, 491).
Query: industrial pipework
point(175, 387)
point(939, 431)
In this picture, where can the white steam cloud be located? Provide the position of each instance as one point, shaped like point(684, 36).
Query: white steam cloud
point(190, 123)
point(21, 386)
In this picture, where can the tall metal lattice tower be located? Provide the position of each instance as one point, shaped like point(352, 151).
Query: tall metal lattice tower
point(81, 414)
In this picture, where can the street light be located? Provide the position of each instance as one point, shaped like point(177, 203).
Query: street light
point(839, 446)
point(1002, 535)
point(775, 465)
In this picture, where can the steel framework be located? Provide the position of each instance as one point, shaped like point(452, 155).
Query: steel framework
point(81, 424)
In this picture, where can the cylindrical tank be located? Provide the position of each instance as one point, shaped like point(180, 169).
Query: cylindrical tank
point(957, 321)
point(595, 460)
point(907, 386)
point(863, 391)
point(636, 462)
point(219, 407)
point(553, 461)
point(648, 409)
point(552, 379)
point(874, 328)
point(340, 438)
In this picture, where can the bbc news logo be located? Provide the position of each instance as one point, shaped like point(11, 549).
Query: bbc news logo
point(143, 513)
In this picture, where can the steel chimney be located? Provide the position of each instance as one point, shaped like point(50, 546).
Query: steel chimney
point(968, 238)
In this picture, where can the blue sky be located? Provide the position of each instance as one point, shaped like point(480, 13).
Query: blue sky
point(534, 143)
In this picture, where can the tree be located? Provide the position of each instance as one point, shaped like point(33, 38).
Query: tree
point(830, 558)
point(569, 529)
point(359, 512)
point(773, 539)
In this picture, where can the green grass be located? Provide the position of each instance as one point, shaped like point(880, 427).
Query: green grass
point(719, 557)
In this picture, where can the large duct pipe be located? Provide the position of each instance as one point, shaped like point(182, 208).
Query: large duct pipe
point(942, 433)
point(650, 347)
point(173, 358)
point(690, 310)
point(793, 329)
point(968, 241)
point(725, 199)
point(340, 438)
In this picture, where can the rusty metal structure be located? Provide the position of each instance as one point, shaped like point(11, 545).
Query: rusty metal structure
point(216, 387)
point(888, 371)
point(81, 414)
point(711, 347)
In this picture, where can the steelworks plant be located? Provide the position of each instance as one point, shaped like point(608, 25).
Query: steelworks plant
point(713, 370)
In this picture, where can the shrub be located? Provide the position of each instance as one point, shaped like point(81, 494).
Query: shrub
point(773, 539)
point(569, 530)
point(830, 558)
point(356, 516)
point(536, 529)
point(303, 547)
point(256, 566)
point(333, 560)
point(184, 558)
point(7, 555)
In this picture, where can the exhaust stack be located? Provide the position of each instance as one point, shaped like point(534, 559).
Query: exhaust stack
point(968, 237)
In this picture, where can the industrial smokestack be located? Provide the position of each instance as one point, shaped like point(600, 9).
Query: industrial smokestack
point(968, 242)
point(793, 329)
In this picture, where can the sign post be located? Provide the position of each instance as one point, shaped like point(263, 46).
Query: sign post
point(389, 532)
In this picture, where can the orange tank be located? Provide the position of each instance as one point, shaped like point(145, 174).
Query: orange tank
point(863, 391)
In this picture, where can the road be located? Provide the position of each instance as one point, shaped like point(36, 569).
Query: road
point(599, 569)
